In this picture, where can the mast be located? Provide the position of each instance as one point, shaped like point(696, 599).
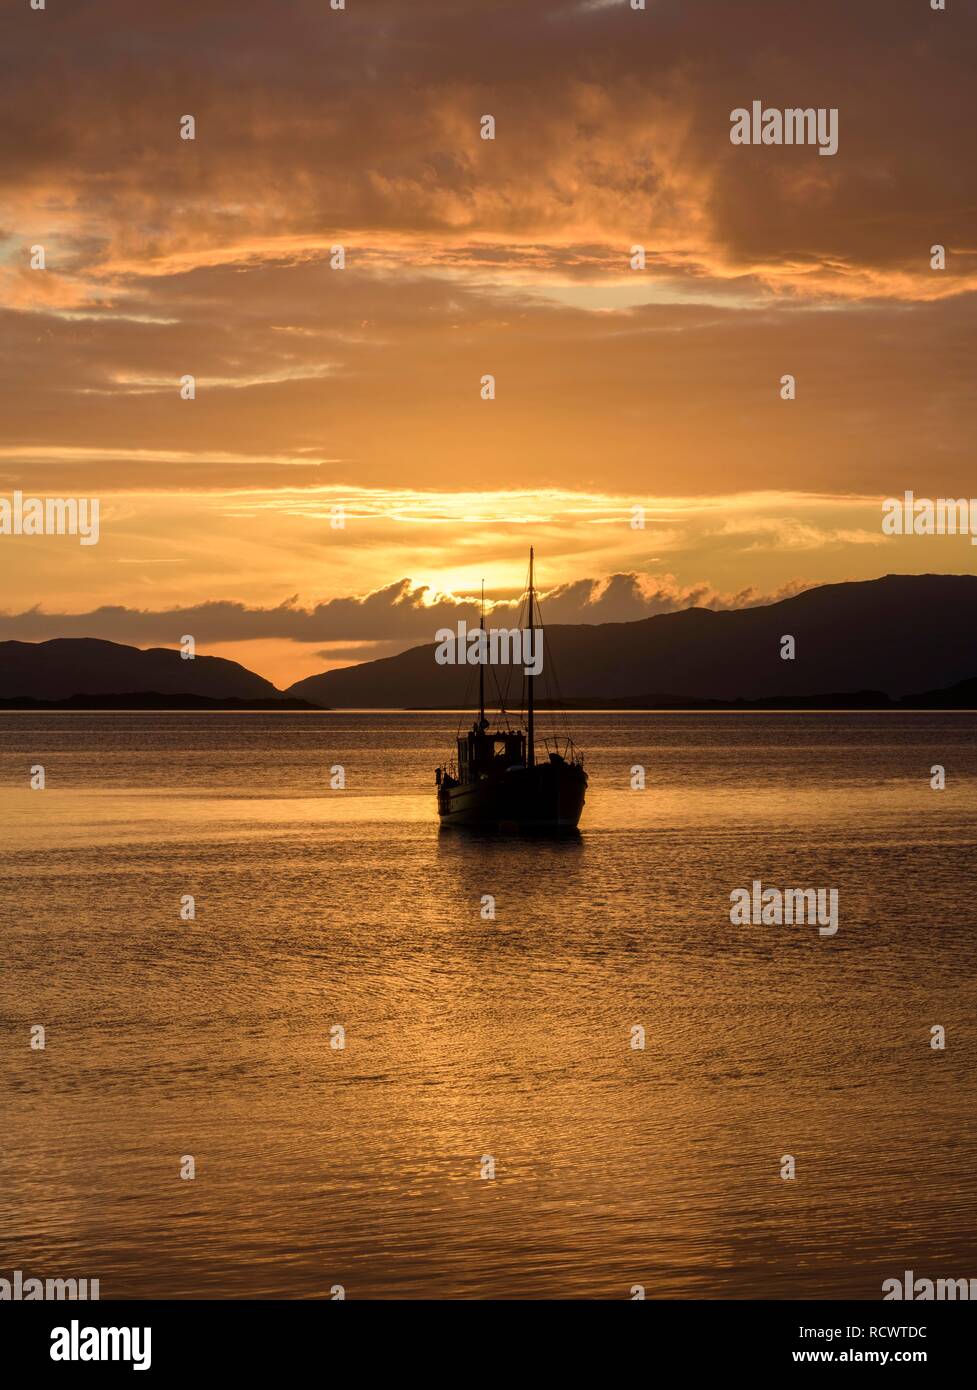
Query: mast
point(481, 664)
point(530, 742)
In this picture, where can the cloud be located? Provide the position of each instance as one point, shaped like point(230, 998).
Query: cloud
point(790, 533)
point(384, 386)
point(397, 613)
point(612, 127)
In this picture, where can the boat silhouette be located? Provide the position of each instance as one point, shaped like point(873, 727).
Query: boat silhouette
point(496, 780)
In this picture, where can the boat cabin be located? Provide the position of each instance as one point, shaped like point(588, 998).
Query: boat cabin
point(484, 750)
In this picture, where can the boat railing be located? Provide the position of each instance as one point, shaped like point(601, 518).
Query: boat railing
point(564, 748)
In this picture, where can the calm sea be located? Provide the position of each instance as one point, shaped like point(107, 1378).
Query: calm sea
point(469, 1038)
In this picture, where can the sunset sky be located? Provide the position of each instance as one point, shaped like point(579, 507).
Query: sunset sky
point(616, 388)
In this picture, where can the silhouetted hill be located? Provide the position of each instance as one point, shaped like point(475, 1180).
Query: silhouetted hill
point(963, 695)
point(151, 699)
point(893, 636)
point(68, 666)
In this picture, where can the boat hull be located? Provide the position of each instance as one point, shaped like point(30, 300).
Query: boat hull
point(547, 796)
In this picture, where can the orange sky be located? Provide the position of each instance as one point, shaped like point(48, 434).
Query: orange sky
point(615, 388)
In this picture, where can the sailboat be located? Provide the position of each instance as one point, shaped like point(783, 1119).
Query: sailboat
point(498, 781)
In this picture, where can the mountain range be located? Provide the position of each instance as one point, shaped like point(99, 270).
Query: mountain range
point(874, 642)
point(894, 636)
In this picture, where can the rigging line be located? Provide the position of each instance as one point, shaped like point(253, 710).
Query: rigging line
point(468, 693)
point(525, 620)
point(504, 690)
point(534, 616)
point(503, 712)
point(553, 680)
